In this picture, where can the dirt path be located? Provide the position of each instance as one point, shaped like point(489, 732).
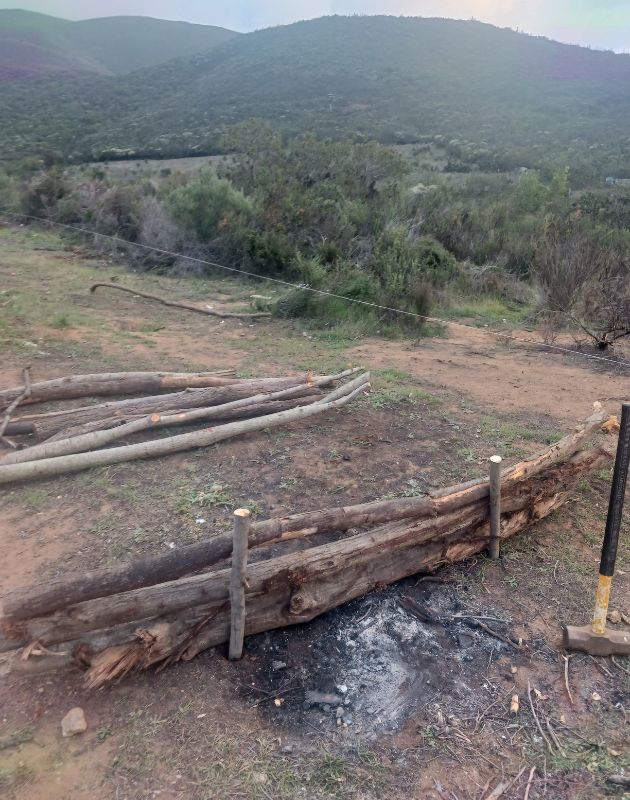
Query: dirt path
point(514, 379)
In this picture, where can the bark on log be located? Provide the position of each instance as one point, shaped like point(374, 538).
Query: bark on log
point(49, 423)
point(103, 384)
point(251, 406)
point(313, 580)
point(33, 601)
point(172, 444)
point(186, 306)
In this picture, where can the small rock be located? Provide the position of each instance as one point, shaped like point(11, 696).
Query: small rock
point(596, 696)
point(260, 777)
point(371, 710)
point(614, 616)
point(288, 748)
point(342, 688)
point(277, 665)
point(326, 707)
point(340, 712)
point(73, 723)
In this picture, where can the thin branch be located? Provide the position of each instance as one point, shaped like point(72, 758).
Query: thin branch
point(536, 720)
point(186, 306)
point(22, 396)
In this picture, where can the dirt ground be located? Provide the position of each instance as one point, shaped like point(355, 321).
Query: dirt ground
point(409, 709)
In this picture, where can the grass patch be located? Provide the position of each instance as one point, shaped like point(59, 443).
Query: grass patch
point(486, 309)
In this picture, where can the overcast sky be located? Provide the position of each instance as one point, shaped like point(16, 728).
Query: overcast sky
point(599, 23)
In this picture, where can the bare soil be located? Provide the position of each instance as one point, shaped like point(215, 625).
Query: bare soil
point(424, 708)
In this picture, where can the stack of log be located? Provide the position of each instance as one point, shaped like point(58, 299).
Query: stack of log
point(155, 612)
point(72, 439)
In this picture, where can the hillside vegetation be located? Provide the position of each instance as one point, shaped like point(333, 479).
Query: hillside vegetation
point(36, 45)
point(497, 99)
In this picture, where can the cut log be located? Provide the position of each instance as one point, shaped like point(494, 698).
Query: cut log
point(172, 444)
point(116, 383)
point(37, 600)
point(301, 585)
point(179, 304)
point(252, 406)
point(49, 423)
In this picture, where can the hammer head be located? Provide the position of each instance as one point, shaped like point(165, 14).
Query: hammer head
point(612, 643)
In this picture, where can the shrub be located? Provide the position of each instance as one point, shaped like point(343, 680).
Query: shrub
point(43, 192)
point(208, 206)
point(400, 262)
point(267, 253)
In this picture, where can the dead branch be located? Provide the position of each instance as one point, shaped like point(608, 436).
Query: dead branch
point(536, 720)
point(24, 394)
point(186, 306)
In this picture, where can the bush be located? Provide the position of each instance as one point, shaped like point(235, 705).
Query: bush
point(400, 262)
point(43, 192)
point(267, 253)
point(208, 206)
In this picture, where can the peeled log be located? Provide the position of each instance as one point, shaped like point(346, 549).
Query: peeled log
point(34, 601)
point(297, 587)
point(115, 383)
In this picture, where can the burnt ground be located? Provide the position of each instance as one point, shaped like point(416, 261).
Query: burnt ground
point(409, 708)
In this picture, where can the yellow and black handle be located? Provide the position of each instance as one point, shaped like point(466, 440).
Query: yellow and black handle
point(613, 523)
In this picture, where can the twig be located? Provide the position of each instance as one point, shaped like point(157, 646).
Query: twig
point(619, 666)
point(501, 788)
point(529, 783)
point(26, 372)
point(477, 623)
point(601, 667)
point(554, 736)
point(566, 677)
point(536, 720)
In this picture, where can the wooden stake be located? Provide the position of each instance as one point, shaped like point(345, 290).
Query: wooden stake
point(495, 506)
point(237, 582)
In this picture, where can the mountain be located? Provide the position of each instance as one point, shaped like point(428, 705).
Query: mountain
point(36, 45)
point(484, 91)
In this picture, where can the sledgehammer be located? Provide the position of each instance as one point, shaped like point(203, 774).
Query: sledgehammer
point(594, 638)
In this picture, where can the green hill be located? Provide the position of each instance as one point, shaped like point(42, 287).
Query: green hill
point(496, 97)
point(36, 45)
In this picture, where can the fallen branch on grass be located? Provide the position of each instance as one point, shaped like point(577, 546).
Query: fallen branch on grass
point(114, 383)
point(33, 601)
point(178, 304)
point(173, 444)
